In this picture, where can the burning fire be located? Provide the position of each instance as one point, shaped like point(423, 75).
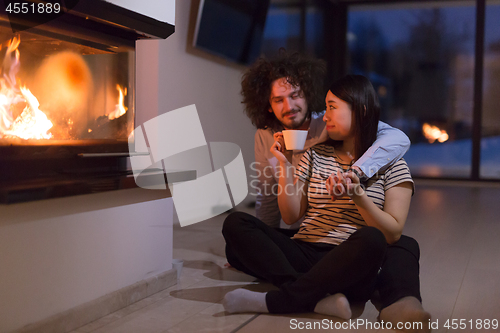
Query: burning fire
point(32, 123)
point(120, 109)
point(63, 83)
point(433, 133)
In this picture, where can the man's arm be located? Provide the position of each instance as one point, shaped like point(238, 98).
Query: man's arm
point(390, 146)
point(266, 205)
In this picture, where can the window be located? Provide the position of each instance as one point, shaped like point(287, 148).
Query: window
point(296, 25)
point(490, 139)
point(420, 59)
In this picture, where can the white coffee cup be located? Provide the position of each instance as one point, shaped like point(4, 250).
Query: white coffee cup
point(294, 139)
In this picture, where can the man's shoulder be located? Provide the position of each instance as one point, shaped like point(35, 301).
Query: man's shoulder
point(263, 141)
point(264, 135)
point(263, 132)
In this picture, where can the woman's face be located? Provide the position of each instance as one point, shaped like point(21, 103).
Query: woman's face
point(338, 118)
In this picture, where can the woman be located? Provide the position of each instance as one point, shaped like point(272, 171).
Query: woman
point(340, 246)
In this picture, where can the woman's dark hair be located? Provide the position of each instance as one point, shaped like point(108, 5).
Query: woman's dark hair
point(302, 72)
point(359, 93)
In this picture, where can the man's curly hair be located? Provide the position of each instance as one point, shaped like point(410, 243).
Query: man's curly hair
point(300, 71)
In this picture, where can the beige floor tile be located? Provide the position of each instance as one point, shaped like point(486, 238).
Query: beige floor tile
point(479, 297)
point(212, 319)
point(157, 317)
point(486, 251)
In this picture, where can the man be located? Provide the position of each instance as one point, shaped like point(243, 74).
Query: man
point(288, 93)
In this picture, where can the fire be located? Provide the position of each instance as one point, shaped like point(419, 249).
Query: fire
point(32, 123)
point(433, 133)
point(120, 109)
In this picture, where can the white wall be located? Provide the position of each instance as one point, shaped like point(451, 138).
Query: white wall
point(60, 253)
point(181, 75)
point(187, 76)
point(161, 10)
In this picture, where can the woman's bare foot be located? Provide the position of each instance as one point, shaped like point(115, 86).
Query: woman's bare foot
point(409, 312)
point(334, 305)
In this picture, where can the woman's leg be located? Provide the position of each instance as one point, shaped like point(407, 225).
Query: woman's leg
point(399, 286)
point(399, 276)
point(349, 268)
point(261, 251)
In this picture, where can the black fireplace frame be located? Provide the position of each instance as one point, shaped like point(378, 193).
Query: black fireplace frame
point(100, 24)
point(34, 171)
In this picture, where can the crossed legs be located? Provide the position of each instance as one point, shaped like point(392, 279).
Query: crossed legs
point(304, 272)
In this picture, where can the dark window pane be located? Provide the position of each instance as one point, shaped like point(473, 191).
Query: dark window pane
point(420, 58)
point(490, 141)
point(284, 28)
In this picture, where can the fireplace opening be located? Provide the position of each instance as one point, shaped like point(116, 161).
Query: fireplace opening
point(52, 92)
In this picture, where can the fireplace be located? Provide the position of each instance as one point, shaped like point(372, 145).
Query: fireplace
point(67, 100)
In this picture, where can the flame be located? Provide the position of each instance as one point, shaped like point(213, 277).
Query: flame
point(120, 109)
point(9, 94)
point(433, 133)
point(32, 123)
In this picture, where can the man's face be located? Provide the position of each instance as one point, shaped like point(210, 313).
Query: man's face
point(288, 105)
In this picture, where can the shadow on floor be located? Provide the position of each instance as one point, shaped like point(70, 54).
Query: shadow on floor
point(215, 272)
point(216, 294)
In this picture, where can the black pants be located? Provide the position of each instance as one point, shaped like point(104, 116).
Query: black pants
point(304, 272)
point(399, 276)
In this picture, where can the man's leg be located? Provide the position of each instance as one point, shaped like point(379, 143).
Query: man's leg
point(234, 262)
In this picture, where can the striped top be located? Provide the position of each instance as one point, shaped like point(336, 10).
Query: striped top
point(332, 222)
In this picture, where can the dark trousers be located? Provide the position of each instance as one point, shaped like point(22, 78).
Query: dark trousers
point(399, 276)
point(304, 272)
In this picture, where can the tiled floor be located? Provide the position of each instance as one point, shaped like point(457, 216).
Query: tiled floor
point(457, 226)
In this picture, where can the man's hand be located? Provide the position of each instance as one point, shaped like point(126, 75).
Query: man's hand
point(278, 149)
point(353, 184)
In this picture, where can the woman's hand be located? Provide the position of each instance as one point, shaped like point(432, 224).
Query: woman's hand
point(353, 185)
point(278, 149)
point(340, 184)
point(334, 185)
